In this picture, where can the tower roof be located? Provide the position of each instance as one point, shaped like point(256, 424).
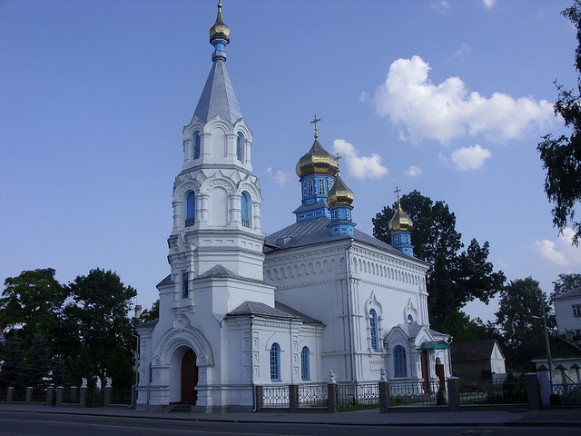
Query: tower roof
point(317, 160)
point(400, 222)
point(340, 194)
point(218, 96)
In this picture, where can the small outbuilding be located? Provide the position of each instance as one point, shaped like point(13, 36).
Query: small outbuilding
point(478, 360)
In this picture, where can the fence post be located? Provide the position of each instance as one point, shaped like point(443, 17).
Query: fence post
point(59, 395)
point(106, 396)
point(28, 395)
point(83, 393)
point(258, 398)
point(49, 395)
point(383, 396)
point(453, 394)
point(74, 392)
point(533, 392)
point(9, 394)
point(293, 398)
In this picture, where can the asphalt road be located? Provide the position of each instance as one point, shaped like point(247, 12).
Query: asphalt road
point(36, 424)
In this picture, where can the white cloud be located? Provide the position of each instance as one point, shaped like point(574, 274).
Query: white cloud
point(488, 4)
point(413, 171)
point(364, 96)
point(360, 167)
point(560, 252)
point(464, 50)
point(280, 177)
point(447, 110)
point(442, 6)
point(470, 158)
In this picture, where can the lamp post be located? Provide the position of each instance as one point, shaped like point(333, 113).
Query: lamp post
point(547, 344)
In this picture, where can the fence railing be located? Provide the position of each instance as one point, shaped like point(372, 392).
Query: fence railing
point(510, 392)
point(275, 396)
point(69, 396)
point(358, 394)
point(313, 395)
point(569, 394)
point(417, 393)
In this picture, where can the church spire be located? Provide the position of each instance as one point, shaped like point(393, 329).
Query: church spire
point(218, 96)
point(400, 227)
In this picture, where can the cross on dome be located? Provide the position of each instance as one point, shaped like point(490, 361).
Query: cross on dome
point(315, 121)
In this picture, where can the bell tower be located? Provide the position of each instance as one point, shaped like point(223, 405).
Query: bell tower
point(216, 229)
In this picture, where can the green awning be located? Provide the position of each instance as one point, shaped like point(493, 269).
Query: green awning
point(435, 345)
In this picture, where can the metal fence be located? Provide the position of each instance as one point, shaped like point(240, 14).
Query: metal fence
point(313, 395)
point(569, 394)
point(358, 394)
point(510, 392)
point(275, 396)
point(122, 397)
point(416, 393)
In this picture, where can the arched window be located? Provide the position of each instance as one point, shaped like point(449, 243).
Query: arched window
point(399, 362)
point(191, 210)
point(245, 209)
point(305, 364)
point(197, 145)
point(321, 186)
point(275, 362)
point(410, 319)
point(310, 188)
point(185, 285)
point(240, 147)
point(373, 328)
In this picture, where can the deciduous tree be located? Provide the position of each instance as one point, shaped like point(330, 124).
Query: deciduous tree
point(521, 307)
point(457, 276)
point(561, 157)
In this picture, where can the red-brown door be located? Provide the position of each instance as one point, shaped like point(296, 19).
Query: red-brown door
point(189, 378)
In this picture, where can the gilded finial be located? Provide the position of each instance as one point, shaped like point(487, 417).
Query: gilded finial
point(219, 30)
point(315, 121)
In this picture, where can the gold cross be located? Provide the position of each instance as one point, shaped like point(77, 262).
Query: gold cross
point(315, 121)
point(397, 191)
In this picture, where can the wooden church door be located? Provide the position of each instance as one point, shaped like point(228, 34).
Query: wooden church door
point(189, 378)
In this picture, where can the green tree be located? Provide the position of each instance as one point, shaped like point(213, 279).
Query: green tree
point(32, 302)
point(457, 276)
point(150, 314)
point(37, 362)
point(521, 307)
point(565, 283)
point(12, 372)
point(99, 329)
point(561, 157)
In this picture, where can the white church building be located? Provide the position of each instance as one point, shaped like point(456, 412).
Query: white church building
point(239, 310)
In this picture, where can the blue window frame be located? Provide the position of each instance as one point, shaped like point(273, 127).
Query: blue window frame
point(399, 362)
point(240, 147)
point(245, 209)
point(185, 285)
point(373, 328)
point(275, 362)
point(321, 186)
point(197, 145)
point(191, 209)
point(305, 364)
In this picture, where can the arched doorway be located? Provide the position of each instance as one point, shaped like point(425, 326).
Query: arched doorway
point(189, 378)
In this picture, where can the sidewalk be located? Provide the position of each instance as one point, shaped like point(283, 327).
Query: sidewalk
point(525, 418)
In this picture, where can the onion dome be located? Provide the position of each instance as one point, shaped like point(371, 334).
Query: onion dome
point(340, 194)
point(400, 222)
point(219, 30)
point(317, 160)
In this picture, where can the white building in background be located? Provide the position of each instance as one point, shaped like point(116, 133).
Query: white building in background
point(238, 310)
point(568, 313)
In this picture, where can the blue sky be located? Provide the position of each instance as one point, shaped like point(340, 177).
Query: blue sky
point(448, 97)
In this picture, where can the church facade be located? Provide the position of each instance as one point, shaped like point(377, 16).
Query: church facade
point(239, 310)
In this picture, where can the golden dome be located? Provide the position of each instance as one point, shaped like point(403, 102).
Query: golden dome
point(219, 29)
point(317, 160)
point(400, 222)
point(340, 194)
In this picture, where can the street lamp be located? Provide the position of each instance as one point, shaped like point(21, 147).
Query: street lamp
point(547, 344)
